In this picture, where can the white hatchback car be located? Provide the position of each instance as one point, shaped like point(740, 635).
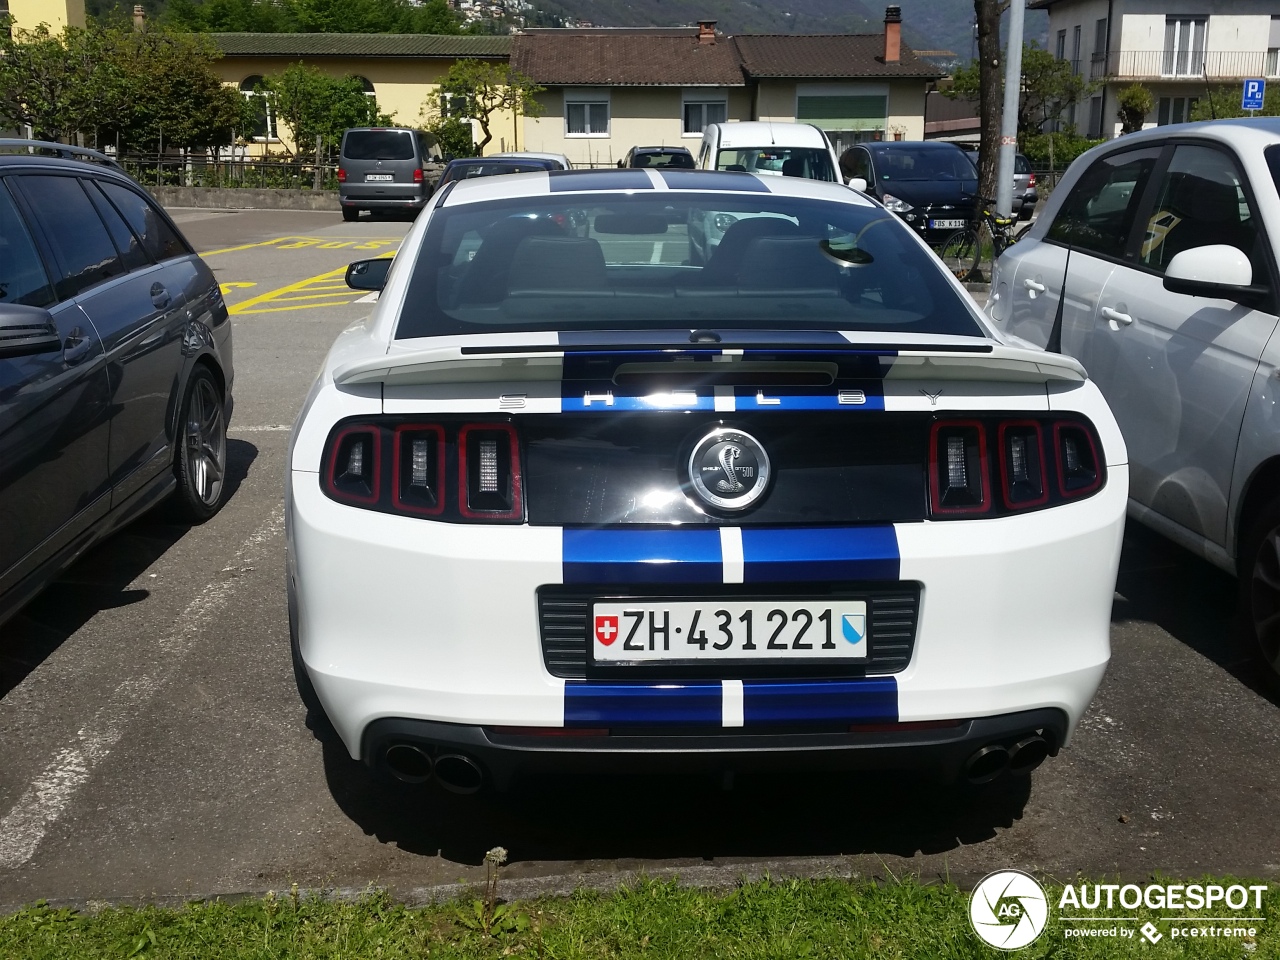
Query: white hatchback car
point(573, 500)
point(1171, 305)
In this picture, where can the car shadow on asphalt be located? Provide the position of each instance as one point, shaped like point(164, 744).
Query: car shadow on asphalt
point(1187, 597)
point(99, 580)
point(585, 818)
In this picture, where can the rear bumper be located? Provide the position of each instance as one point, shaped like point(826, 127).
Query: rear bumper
point(939, 753)
point(400, 198)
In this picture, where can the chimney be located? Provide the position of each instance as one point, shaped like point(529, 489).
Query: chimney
point(139, 17)
point(892, 34)
point(706, 31)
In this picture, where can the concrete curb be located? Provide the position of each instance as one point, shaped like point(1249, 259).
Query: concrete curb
point(248, 198)
point(706, 877)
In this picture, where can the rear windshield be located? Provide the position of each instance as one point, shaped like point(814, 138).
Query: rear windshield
point(378, 145)
point(924, 164)
point(808, 162)
point(1021, 164)
point(681, 160)
point(683, 260)
point(465, 171)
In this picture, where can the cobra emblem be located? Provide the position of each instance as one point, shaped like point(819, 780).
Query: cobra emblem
point(727, 456)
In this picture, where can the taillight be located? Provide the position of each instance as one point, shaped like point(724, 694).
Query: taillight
point(1022, 479)
point(418, 468)
point(342, 175)
point(355, 466)
point(959, 473)
point(1032, 181)
point(1038, 462)
point(489, 472)
point(1079, 468)
point(417, 175)
point(451, 470)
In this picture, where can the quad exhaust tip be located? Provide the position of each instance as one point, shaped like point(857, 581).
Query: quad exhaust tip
point(1027, 754)
point(986, 764)
point(408, 763)
point(458, 773)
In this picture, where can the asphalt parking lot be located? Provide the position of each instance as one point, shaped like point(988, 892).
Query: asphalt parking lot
point(154, 746)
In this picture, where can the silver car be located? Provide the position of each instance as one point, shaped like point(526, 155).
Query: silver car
point(387, 168)
point(1171, 304)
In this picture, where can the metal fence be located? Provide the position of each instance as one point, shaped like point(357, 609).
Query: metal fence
point(238, 172)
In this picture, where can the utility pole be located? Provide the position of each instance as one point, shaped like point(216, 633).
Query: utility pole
point(1009, 122)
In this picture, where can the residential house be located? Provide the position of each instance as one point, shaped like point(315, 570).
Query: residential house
point(399, 70)
point(609, 89)
point(1173, 47)
point(28, 14)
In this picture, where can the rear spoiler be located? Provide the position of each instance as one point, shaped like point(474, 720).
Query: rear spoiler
point(467, 364)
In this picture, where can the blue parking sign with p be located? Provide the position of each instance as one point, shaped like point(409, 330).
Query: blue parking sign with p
point(1254, 90)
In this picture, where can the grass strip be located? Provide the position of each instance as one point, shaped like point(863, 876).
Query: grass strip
point(764, 919)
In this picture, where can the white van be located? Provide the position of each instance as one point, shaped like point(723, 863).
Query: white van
point(771, 149)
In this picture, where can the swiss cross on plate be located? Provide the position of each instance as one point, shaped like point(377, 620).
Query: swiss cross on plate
point(606, 629)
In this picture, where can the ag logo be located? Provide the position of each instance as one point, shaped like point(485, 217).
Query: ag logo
point(1008, 909)
point(606, 629)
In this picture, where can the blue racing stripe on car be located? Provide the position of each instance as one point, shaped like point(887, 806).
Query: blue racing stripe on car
point(784, 555)
point(641, 556)
point(597, 704)
point(712, 180)
point(606, 398)
point(572, 181)
point(869, 700)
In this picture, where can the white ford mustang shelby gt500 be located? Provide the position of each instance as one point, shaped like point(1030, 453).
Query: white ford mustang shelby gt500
point(573, 496)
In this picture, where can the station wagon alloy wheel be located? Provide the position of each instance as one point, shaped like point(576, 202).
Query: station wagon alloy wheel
point(1265, 599)
point(203, 462)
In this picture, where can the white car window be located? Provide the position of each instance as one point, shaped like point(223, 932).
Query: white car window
point(1200, 202)
point(1099, 211)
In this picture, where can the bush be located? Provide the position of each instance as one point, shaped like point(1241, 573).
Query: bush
point(1066, 147)
point(454, 135)
point(1135, 102)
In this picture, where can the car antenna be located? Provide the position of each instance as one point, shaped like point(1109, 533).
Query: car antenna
point(1054, 344)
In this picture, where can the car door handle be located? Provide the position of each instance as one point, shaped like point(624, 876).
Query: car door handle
point(160, 296)
point(1116, 318)
point(1033, 286)
point(76, 347)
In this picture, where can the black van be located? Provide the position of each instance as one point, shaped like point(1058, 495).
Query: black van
point(387, 168)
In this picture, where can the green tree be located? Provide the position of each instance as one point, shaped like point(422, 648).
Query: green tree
point(313, 16)
point(316, 106)
point(1048, 86)
point(479, 89)
point(1135, 102)
point(454, 135)
point(1226, 103)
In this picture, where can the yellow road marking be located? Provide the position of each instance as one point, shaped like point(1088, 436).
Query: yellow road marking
point(236, 285)
point(318, 243)
point(248, 306)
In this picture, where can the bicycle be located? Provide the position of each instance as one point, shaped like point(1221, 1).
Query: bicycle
point(966, 250)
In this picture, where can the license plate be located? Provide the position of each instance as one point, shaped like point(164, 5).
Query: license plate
point(630, 631)
point(945, 224)
point(379, 176)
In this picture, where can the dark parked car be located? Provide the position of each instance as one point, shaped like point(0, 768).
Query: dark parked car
point(115, 363)
point(387, 168)
point(678, 157)
point(929, 184)
point(465, 169)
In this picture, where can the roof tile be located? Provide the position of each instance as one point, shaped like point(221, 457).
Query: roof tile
point(844, 56)
point(418, 45)
point(626, 58)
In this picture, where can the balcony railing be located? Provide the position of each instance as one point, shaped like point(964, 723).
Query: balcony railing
point(1183, 64)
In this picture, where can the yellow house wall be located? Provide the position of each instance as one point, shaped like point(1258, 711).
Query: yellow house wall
point(777, 101)
point(638, 116)
point(57, 14)
point(401, 86)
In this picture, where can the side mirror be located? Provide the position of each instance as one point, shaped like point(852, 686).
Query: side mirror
point(25, 330)
point(368, 274)
point(858, 183)
point(1218, 270)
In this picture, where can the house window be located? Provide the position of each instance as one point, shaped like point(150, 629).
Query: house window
point(586, 114)
point(1075, 50)
point(1060, 49)
point(1184, 46)
point(1095, 117)
point(700, 112)
point(1174, 110)
point(264, 124)
point(1273, 49)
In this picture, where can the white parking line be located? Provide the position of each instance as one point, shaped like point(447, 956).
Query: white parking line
point(52, 791)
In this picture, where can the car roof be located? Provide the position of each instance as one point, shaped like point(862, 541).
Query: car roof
point(766, 133)
point(660, 150)
point(1239, 131)
point(891, 145)
point(635, 181)
point(18, 161)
